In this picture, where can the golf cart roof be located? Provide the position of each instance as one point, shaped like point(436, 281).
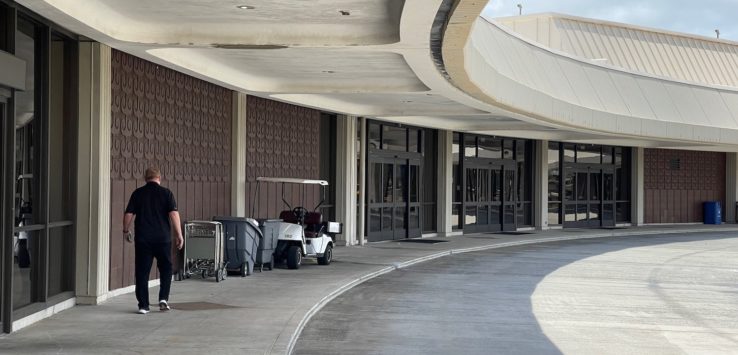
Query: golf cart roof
point(293, 181)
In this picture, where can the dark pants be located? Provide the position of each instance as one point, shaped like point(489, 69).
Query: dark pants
point(145, 252)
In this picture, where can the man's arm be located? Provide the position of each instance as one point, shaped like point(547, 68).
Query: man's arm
point(174, 219)
point(127, 219)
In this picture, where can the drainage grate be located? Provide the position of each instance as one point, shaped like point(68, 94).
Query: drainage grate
point(422, 241)
point(199, 306)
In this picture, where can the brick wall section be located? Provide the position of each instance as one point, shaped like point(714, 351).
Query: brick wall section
point(180, 124)
point(677, 182)
point(282, 140)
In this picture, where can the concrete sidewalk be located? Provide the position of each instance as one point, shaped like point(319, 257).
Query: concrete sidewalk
point(263, 313)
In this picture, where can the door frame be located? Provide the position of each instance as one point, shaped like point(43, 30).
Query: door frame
point(7, 131)
point(397, 160)
point(502, 166)
point(589, 170)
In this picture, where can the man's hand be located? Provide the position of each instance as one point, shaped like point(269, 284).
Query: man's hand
point(129, 236)
point(179, 242)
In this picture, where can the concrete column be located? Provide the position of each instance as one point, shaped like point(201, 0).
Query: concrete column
point(445, 181)
point(238, 156)
point(361, 218)
point(346, 175)
point(93, 173)
point(637, 187)
point(731, 186)
point(540, 187)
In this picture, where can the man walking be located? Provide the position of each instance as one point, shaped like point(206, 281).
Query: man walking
point(156, 212)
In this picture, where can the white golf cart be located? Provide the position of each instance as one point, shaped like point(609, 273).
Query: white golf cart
point(300, 233)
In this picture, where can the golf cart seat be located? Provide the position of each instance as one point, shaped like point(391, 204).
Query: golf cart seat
point(288, 216)
point(313, 224)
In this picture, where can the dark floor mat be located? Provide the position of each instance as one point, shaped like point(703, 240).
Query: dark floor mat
point(422, 241)
point(513, 233)
point(614, 228)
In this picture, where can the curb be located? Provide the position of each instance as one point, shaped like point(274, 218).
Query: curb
point(400, 265)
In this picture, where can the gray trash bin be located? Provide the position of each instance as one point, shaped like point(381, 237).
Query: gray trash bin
point(270, 231)
point(242, 240)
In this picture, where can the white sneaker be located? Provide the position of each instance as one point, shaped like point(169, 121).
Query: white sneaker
point(163, 305)
point(143, 311)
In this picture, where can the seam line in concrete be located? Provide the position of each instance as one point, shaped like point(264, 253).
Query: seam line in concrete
point(400, 265)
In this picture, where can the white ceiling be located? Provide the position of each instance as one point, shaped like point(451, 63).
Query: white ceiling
point(375, 61)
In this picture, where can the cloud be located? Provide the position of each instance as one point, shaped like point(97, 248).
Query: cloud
point(689, 16)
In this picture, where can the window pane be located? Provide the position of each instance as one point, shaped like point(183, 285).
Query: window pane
point(60, 152)
point(594, 211)
point(400, 217)
point(375, 183)
point(622, 212)
point(470, 146)
point(490, 147)
point(471, 185)
point(607, 156)
point(400, 183)
point(554, 194)
point(569, 186)
point(394, 138)
point(414, 184)
point(581, 186)
point(375, 219)
point(595, 186)
point(61, 260)
point(414, 140)
point(388, 178)
point(25, 268)
point(456, 183)
point(590, 154)
point(569, 153)
point(483, 215)
point(554, 217)
point(456, 147)
point(455, 216)
point(509, 186)
point(471, 216)
point(508, 146)
point(608, 192)
point(27, 132)
point(496, 185)
point(570, 213)
point(484, 185)
point(373, 135)
point(387, 219)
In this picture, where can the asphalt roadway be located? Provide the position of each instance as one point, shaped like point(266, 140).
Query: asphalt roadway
point(658, 294)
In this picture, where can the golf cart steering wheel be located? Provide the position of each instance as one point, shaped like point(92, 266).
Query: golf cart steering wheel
point(300, 213)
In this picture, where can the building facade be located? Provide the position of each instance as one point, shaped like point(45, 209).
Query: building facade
point(82, 119)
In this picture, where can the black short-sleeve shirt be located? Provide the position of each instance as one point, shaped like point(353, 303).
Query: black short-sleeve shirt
point(151, 204)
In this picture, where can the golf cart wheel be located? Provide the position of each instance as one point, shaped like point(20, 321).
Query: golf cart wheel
point(224, 274)
point(327, 256)
point(294, 257)
point(204, 274)
point(243, 270)
point(218, 275)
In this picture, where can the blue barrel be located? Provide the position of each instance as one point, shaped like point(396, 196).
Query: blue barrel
point(711, 211)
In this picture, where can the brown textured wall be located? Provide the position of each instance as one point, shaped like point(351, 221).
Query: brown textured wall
point(282, 140)
point(180, 124)
point(676, 195)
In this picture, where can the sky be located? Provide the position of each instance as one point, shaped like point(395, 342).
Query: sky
point(690, 16)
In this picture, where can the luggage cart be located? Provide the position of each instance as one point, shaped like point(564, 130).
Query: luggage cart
point(203, 250)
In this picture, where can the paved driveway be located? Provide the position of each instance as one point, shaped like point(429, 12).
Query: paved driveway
point(666, 294)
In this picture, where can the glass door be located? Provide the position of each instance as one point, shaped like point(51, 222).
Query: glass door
point(608, 198)
point(489, 199)
point(508, 198)
point(584, 193)
point(394, 205)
